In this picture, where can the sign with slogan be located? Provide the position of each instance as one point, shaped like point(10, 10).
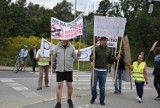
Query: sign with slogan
point(112, 41)
point(66, 30)
point(127, 49)
point(109, 26)
point(46, 47)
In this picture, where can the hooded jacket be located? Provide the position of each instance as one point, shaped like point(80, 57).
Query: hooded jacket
point(63, 58)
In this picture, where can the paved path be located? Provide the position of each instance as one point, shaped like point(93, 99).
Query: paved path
point(81, 95)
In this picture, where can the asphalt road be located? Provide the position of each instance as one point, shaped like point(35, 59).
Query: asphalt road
point(19, 89)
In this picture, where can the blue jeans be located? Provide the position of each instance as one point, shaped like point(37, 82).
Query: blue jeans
point(101, 77)
point(118, 81)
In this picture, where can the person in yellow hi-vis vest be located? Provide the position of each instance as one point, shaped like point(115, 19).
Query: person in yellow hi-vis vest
point(139, 73)
point(43, 63)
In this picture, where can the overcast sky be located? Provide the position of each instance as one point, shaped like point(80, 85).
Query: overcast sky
point(82, 5)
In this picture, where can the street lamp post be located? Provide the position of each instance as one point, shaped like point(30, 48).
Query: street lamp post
point(75, 9)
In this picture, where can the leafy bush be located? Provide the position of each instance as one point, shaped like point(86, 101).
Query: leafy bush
point(12, 46)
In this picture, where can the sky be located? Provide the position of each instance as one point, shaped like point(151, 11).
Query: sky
point(81, 5)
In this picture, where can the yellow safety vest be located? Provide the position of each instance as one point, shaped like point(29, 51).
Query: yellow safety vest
point(138, 71)
point(43, 61)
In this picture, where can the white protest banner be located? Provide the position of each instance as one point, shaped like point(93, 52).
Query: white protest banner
point(46, 47)
point(109, 26)
point(86, 52)
point(66, 30)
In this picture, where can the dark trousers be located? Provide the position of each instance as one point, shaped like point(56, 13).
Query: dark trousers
point(34, 62)
point(157, 83)
point(139, 88)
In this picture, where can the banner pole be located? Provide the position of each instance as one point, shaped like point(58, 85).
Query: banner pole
point(152, 48)
point(51, 53)
point(114, 66)
point(78, 66)
point(130, 78)
point(93, 61)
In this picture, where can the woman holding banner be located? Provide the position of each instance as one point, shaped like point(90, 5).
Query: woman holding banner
point(139, 73)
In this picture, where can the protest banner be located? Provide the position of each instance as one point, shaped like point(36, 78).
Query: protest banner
point(66, 30)
point(86, 52)
point(109, 26)
point(127, 49)
point(112, 41)
point(46, 47)
point(127, 58)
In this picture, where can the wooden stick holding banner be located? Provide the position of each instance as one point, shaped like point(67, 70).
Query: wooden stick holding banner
point(114, 65)
point(152, 48)
point(127, 56)
point(51, 57)
point(130, 77)
point(120, 48)
point(93, 62)
point(78, 65)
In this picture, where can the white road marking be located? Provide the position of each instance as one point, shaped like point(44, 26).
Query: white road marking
point(85, 84)
point(82, 106)
point(13, 84)
point(30, 94)
point(6, 80)
point(21, 88)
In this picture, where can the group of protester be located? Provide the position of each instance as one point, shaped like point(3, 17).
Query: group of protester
point(63, 56)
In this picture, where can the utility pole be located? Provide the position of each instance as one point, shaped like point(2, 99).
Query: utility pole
point(75, 15)
point(75, 9)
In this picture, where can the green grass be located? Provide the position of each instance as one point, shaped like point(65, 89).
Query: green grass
point(83, 66)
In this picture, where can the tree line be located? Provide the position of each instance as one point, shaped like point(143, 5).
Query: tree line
point(23, 19)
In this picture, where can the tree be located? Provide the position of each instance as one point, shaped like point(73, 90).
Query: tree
point(21, 20)
point(63, 11)
point(5, 22)
point(130, 8)
point(45, 24)
point(89, 30)
point(36, 15)
point(34, 11)
point(104, 7)
point(115, 10)
point(142, 28)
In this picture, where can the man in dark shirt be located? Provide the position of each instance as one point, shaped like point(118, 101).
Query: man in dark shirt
point(102, 58)
point(32, 55)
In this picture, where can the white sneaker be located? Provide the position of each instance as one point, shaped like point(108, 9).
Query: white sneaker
point(137, 97)
point(140, 100)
